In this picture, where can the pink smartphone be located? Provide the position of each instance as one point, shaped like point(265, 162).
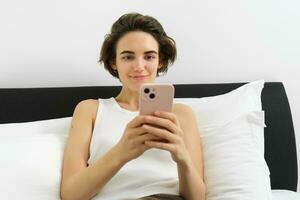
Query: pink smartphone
point(155, 96)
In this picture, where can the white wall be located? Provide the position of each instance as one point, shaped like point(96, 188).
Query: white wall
point(56, 43)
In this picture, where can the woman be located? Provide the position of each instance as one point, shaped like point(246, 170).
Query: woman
point(112, 152)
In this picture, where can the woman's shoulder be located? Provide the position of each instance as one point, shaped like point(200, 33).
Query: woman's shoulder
point(181, 108)
point(89, 106)
point(89, 101)
point(183, 112)
point(186, 117)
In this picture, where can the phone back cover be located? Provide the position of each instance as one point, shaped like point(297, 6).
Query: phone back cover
point(163, 100)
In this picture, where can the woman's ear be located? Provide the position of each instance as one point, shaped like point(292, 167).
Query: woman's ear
point(160, 65)
point(113, 65)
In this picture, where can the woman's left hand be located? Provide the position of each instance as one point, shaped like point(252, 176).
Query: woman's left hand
point(166, 126)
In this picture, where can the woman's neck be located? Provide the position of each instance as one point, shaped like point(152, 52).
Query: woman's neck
point(128, 99)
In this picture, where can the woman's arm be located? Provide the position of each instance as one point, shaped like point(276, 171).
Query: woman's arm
point(88, 181)
point(190, 171)
point(80, 181)
point(181, 131)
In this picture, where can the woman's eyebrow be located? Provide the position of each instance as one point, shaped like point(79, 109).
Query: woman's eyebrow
point(130, 52)
point(151, 52)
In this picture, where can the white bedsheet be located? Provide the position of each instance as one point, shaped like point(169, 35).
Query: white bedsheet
point(285, 195)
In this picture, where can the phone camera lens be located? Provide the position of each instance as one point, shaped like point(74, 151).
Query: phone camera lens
point(152, 96)
point(146, 90)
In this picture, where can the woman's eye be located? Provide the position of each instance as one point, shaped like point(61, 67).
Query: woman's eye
point(127, 57)
point(150, 57)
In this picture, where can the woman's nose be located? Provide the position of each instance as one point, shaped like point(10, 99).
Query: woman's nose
point(139, 64)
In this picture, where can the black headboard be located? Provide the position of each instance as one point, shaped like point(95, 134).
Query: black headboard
point(31, 104)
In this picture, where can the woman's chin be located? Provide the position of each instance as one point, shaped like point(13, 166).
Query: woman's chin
point(136, 85)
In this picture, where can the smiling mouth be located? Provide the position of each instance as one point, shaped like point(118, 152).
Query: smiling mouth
point(138, 77)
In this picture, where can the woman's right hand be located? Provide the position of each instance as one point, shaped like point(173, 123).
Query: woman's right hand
point(132, 142)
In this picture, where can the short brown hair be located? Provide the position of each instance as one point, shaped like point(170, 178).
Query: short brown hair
point(137, 22)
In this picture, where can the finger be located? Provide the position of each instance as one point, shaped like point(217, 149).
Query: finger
point(148, 137)
point(167, 115)
point(145, 147)
point(162, 133)
point(137, 121)
point(135, 132)
point(161, 123)
point(161, 145)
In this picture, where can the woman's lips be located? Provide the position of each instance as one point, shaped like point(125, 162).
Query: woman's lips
point(142, 77)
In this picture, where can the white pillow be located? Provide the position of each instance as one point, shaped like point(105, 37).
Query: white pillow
point(218, 110)
point(31, 158)
point(232, 132)
point(234, 167)
point(285, 195)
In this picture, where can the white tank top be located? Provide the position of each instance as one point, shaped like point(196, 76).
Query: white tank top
point(152, 173)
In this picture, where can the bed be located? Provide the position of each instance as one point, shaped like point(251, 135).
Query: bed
point(32, 104)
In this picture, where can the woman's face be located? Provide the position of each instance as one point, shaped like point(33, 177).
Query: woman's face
point(137, 59)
